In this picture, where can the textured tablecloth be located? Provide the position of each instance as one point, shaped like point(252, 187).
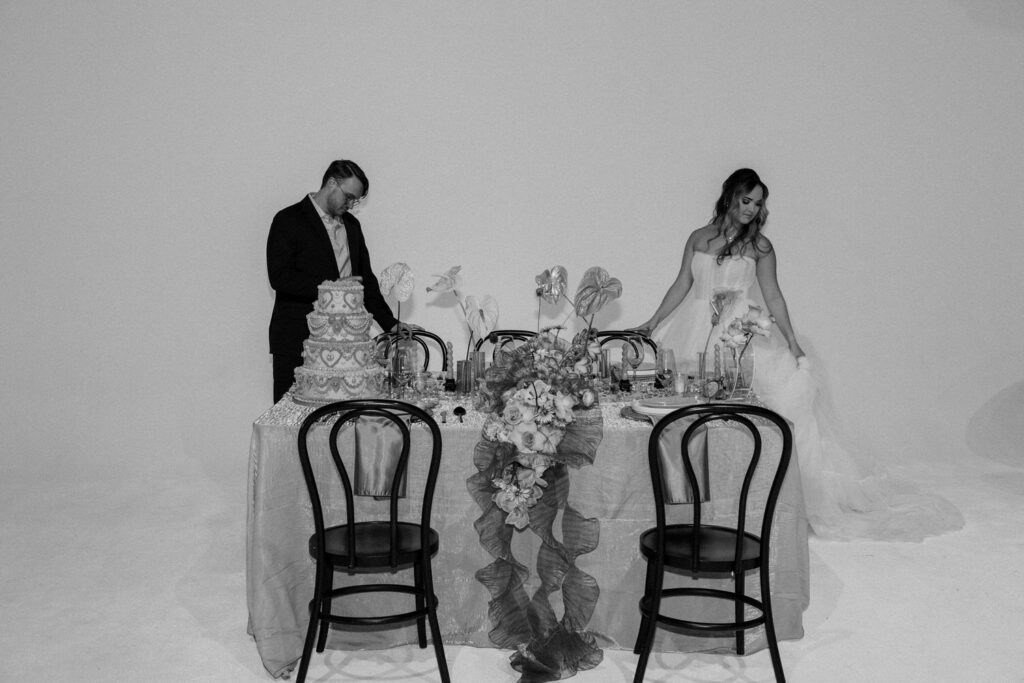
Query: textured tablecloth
point(616, 490)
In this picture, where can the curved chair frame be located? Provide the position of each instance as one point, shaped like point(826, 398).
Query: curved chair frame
point(386, 341)
point(355, 547)
point(697, 548)
point(501, 337)
point(635, 339)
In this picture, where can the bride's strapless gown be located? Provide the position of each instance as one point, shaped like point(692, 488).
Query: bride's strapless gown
point(847, 494)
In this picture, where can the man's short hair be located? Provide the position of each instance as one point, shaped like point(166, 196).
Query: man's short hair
point(342, 169)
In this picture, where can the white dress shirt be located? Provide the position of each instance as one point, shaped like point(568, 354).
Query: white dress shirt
point(338, 235)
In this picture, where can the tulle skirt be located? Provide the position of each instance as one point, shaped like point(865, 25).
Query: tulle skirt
point(848, 495)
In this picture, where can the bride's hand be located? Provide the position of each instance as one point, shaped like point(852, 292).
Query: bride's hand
point(644, 329)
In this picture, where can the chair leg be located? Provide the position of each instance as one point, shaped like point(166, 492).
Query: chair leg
point(652, 626)
point(738, 606)
point(325, 608)
point(645, 621)
point(421, 631)
point(769, 626)
point(314, 612)
point(435, 627)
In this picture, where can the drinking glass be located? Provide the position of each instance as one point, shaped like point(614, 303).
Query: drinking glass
point(633, 355)
point(665, 369)
point(405, 363)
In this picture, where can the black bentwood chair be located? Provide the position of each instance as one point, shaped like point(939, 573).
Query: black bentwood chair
point(377, 546)
point(499, 339)
point(387, 341)
point(636, 339)
point(703, 548)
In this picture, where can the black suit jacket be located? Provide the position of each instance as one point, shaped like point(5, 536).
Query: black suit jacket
point(299, 258)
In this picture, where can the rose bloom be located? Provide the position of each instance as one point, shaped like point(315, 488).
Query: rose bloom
point(525, 436)
point(588, 397)
point(513, 413)
point(495, 430)
point(563, 406)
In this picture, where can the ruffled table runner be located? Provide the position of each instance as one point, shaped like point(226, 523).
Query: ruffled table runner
point(547, 647)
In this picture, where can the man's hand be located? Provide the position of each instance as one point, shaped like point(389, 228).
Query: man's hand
point(405, 329)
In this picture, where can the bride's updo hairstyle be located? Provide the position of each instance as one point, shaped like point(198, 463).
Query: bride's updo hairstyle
point(739, 183)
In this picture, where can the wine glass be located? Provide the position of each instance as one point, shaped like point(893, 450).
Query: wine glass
point(665, 369)
point(633, 355)
point(405, 362)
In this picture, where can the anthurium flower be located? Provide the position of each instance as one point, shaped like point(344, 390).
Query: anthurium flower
point(397, 280)
point(595, 290)
point(451, 281)
point(551, 284)
point(482, 315)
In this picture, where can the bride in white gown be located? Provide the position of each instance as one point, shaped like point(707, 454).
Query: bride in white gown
point(846, 493)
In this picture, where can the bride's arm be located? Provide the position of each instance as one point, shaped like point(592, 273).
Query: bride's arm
point(676, 292)
point(767, 279)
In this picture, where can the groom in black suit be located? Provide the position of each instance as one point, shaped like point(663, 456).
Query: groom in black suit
point(315, 240)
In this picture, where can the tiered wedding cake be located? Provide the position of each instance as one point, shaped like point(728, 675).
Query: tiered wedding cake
point(338, 358)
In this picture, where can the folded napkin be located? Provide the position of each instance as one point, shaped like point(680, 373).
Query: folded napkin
point(378, 444)
point(674, 483)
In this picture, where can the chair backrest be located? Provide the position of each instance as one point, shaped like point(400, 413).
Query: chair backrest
point(386, 342)
point(636, 339)
point(699, 416)
point(500, 338)
point(393, 413)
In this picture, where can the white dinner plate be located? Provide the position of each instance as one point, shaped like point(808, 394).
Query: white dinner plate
point(663, 405)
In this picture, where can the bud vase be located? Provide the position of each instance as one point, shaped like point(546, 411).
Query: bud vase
point(739, 373)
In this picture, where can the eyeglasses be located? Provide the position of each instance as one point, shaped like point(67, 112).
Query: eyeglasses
point(352, 202)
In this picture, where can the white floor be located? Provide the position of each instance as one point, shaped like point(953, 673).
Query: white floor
point(139, 576)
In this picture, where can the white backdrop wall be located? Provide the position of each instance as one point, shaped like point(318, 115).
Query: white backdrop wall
point(145, 146)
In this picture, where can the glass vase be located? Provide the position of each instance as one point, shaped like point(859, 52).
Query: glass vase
point(739, 374)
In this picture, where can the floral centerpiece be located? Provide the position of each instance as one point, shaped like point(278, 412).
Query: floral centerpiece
point(737, 336)
point(745, 320)
point(530, 401)
point(543, 419)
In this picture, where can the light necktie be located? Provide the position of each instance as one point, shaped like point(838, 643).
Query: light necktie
point(340, 244)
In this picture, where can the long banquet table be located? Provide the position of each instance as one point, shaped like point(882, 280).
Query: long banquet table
point(616, 490)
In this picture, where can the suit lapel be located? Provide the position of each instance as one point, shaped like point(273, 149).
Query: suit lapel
point(319, 235)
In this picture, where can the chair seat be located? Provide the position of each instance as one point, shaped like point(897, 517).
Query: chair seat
point(373, 544)
point(717, 547)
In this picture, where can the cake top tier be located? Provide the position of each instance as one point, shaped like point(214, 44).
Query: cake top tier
point(345, 284)
point(340, 296)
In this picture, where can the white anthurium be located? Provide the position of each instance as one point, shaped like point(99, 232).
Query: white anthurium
point(481, 315)
point(451, 281)
point(397, 281)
